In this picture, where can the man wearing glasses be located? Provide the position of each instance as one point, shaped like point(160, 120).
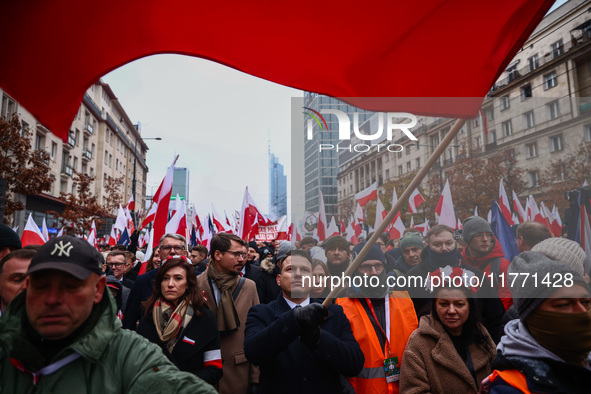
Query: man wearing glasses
point(170, 245)
point(484, 252)
point(117, 261)
point(230, 296)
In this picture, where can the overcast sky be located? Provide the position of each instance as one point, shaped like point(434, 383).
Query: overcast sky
point(218, 120)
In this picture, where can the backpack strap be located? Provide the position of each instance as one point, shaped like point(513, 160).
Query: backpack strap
point(238, 288)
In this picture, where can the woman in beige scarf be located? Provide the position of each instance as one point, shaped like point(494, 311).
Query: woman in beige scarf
point(178, 320)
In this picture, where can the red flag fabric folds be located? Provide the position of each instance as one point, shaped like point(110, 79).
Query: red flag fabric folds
point(348, 49)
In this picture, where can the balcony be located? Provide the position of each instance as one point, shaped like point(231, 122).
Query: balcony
point(67, 170)
point(86, 154)
point(88, 129)
point(71, 141)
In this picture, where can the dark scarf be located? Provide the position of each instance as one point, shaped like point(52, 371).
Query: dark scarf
point(435, 260)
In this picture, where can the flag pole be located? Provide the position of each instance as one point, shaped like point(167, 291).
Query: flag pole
point(396, 208)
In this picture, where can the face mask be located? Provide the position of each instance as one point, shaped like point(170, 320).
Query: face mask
point(443, 259)
point(568, 335)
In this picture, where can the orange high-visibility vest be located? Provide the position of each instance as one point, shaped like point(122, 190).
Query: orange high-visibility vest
point(403, 321)
point(512, 377)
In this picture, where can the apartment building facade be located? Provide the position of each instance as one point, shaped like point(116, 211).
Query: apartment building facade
point(102, 142)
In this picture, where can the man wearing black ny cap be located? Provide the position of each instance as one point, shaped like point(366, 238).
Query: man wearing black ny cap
point(60, 335)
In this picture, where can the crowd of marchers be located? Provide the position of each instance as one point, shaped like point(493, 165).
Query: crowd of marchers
point(238, 317)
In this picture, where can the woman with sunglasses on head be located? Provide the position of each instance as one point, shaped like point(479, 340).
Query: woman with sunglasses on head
point(450, 352)
point(178, 320)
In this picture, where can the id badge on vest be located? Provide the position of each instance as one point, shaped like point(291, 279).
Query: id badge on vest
point(392, 368)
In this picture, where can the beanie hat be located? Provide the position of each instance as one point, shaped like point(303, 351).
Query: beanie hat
point(375, 253)
point(474, 225)
point(529, 293)
point(253, 244)
point(9, 238)
point(334, 241)
point(412, 239)
point(564, 250)
point(284, 248)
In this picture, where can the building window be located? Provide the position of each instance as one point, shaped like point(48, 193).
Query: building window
point(528, 119)
point(399, 154)
point(512, 153)
point(525, 92)
point(550, 80)
point(533, 178)
point(418, 162)
point(408, 167)
point(8, 107)
point(555, 143)
point(507, 128)
point(531, 150)
point(407, 150)
point(53, 150)
point(505, 103)
point(588, 133)
point(490, 114)
point(534, 62)
point(493, 136)
point(400, 172)
point(553, 109)
point(557, 48)
point(476, 121)
point(387, 174)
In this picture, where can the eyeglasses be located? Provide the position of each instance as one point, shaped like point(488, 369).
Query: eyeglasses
point(367, 268)
point(115, 264)
point(168, 248)
point(236, 254)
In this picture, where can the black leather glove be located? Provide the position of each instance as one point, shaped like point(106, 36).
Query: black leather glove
point(310, 317)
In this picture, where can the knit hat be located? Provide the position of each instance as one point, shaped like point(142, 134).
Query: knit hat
point(9, 238)
point(565, 250)
point(375, 253)
point(253, 244)
point(474, 225)
point(334, 241)
point(530, 291)
point(284, 248)
point(412, 239)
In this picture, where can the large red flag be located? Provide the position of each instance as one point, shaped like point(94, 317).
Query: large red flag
point(390, 52)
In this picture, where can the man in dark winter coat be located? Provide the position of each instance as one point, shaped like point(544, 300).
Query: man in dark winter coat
point(300, 345)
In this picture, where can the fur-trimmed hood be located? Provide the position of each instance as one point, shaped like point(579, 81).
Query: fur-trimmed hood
point(267, 266)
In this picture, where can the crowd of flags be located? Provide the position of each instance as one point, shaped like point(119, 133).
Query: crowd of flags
point(165, 217)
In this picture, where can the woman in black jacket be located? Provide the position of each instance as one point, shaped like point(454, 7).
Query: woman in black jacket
point(177, 319)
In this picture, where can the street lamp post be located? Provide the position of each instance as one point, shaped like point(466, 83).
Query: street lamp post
point(133, 182)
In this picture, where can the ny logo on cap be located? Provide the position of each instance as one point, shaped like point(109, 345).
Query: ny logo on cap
point(62, 249)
